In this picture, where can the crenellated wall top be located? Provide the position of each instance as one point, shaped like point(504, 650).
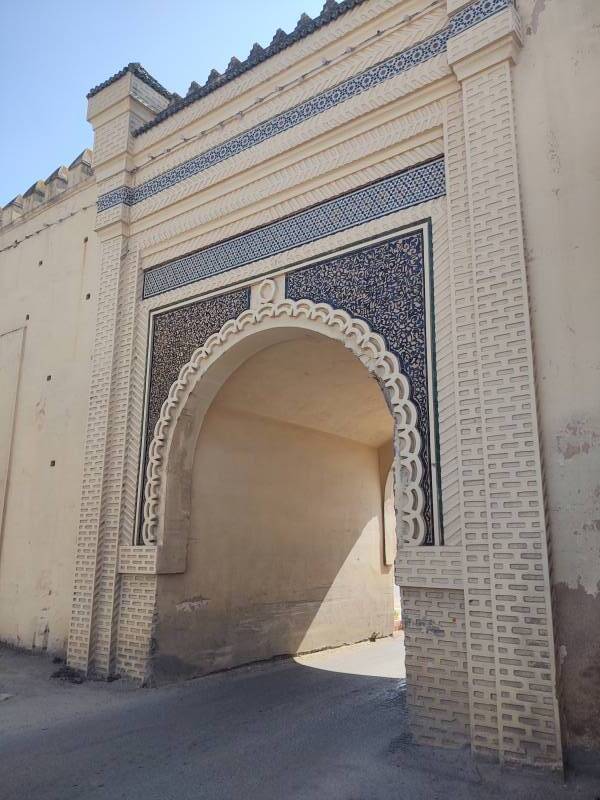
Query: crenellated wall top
point(43, 192)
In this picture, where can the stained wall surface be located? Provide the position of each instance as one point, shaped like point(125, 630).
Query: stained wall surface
point(558, 125)
point(44, 284)
point(286, 550)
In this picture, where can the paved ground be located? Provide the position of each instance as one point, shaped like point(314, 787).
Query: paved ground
point(329, 726)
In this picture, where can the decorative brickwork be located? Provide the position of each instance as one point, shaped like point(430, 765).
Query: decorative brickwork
point(512, 674)
point(436, 665)
point(135, 623)
point(90, 551)
point(516, 538)
point(438, 567)
point(471, 474)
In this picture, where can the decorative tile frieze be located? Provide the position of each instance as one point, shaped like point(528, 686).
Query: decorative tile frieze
point(475, 13)
point(384, 284)
point(383, 71)
point(403, 190)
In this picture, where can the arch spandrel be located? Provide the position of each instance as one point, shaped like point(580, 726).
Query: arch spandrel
point(167, 488)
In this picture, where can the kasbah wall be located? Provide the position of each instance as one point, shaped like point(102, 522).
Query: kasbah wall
point(48, 290)
point(49, 267)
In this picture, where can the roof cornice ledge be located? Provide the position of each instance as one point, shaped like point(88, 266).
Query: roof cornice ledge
point(136, 69)
point(281, 41)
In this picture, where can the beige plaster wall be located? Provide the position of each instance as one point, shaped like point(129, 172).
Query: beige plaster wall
point(286, 550)
point(44, 281)
point(11, 348)
point(558, 130)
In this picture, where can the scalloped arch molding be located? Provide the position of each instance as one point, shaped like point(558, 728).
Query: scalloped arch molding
point(176, 416)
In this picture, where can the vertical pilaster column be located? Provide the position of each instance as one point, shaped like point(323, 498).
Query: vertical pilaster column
point(91, 555)
point(509, 621)
point(481, 640)
point(107, 588)
point(114, 111)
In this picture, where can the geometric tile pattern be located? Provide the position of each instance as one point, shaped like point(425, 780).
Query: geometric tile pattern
point(175, 335)
point(356, 85)
point(407, 188)
point(383, 284)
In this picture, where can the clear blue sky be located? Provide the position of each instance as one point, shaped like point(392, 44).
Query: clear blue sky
point(53, 51)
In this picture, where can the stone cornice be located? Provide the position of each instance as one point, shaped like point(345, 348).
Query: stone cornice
point(133, 68)
point(490, 42)
point(281, 41)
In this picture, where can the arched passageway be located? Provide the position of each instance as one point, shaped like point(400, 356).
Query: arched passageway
point(286, 550)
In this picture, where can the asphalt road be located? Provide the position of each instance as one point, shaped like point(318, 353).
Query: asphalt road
point(319, 728)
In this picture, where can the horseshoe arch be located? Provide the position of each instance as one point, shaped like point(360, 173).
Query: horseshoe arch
point(167, 492)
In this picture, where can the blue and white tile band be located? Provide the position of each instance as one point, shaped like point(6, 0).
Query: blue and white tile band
point(403, 190)
point(390, 68)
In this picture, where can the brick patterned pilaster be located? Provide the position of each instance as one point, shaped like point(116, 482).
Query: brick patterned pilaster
point(506, 562)
point(107, 579)
point(92, 640)
point(436, 665)
point(90, 544)
point(479, 619)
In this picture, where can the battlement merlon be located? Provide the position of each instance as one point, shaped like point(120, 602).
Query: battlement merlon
point(42, 192)
point(124, 102)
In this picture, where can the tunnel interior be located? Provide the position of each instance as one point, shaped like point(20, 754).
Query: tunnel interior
point(286, 552)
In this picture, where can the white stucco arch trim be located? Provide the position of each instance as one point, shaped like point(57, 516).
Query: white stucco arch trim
point(166, 518)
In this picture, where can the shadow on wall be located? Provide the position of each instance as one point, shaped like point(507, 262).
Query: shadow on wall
point(286, 547)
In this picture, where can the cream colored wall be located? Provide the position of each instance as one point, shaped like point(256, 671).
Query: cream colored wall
point(558, 130)
point(286, 550)
point(11, 348)
point(41, 511)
